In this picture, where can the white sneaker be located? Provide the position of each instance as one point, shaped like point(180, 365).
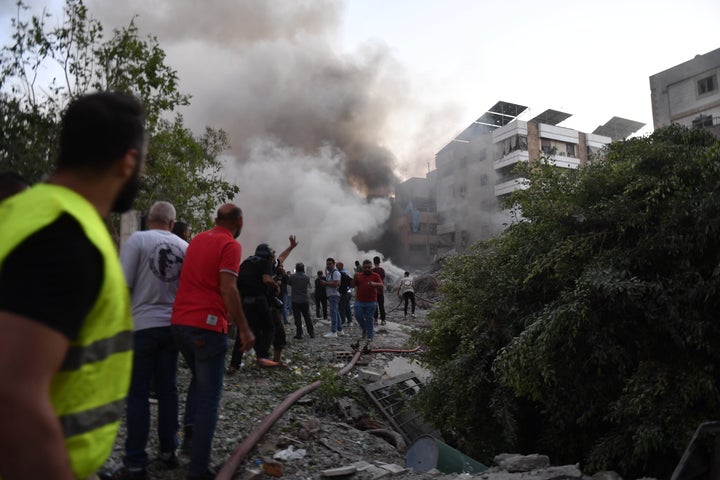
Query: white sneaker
point(413, 315)
point(330, 335)
point(340, 333)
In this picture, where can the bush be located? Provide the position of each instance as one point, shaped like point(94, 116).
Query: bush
point(588, 330)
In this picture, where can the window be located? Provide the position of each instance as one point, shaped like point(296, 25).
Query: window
point(570, 148)
point(703, 121)
point(707, 85)
point(546, 145)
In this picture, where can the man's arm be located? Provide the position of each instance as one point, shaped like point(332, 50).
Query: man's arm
point(270, 282)
point(293, 243)
point(30, 354)
point(231, 299)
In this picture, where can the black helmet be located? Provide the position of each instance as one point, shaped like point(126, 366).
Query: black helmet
point(264, 251)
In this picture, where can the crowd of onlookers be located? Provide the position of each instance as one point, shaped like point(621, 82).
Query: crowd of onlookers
point(84, 337)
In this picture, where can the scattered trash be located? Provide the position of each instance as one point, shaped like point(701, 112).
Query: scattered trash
point(290, 454)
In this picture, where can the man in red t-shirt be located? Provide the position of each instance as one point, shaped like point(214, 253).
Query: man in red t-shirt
point(206, 298)
point(367, 283)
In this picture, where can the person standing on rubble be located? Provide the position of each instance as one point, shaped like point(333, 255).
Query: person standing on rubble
point(206, 300)
point(152, 260)
point(320, 296)
point(331, 284)
point(299, 285)
point(345, 295)
point(367, 283)
point(258, 288)
point(381, 291)
point(406, 291)
point(65, 320)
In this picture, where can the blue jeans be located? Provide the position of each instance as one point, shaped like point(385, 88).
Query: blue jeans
point(365, 315)
point(204, 351)
point(335, 322)
point(154, 356)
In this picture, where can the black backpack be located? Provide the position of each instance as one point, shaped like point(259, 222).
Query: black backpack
point(344, 286)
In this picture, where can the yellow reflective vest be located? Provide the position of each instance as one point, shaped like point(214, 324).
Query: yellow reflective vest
point(88, 392)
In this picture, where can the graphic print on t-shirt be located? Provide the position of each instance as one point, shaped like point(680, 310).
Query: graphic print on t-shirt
point(166, 261)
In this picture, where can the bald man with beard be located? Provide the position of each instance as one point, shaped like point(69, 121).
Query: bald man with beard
point(206, 300)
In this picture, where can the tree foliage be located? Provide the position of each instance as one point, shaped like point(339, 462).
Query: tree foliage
point(46, 67)
point(588, 330)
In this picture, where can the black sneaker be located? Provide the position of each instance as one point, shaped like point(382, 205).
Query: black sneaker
point(209, 474)
point(124, 473)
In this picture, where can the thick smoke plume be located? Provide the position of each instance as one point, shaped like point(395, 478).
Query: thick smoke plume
point(308, 126)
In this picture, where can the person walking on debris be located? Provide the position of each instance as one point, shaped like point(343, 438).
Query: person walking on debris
point(152, 260)
point(65, 321)
point(206, 299)
point(320, 296)
point(299, 285)
point(406, 291)
point(278, 308)
point(381, 291)
point(345, 295)
point(331, 284)
point(367, 283)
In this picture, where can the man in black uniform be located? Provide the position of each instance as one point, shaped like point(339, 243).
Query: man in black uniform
point(257, 289)
point(320, 296)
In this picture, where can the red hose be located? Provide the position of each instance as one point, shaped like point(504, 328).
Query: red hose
point(254, 437)
point(392, 350)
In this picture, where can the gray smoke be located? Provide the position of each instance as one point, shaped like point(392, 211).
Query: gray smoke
point(308, 125)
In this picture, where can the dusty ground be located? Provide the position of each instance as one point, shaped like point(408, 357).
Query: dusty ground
point(331, 436)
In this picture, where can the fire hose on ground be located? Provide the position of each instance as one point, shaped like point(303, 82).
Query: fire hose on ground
point(232, 464)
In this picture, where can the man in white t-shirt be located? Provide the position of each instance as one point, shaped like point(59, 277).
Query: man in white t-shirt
point(152, 260)
point(406, 291)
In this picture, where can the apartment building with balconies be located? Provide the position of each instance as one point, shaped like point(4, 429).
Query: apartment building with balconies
point(476, 169)
point(522, 141)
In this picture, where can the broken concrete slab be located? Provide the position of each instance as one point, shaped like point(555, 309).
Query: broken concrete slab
point(522, 463)
point(339, 471)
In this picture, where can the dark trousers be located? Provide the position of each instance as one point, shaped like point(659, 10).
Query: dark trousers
point(204, 351)
point(257, 312)
point(155, 357)
point(409, 296)
point(321, 301)
point(279, 340)
point(344, 306)
point(304, 310)
point(380, 307)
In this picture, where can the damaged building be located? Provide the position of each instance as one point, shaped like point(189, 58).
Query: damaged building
point(458, 203)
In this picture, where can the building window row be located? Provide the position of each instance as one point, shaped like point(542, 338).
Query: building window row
point(511, 144)
point(556, 147)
